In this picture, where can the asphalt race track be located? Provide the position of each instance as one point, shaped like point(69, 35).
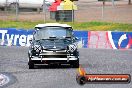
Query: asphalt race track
point(13, 61)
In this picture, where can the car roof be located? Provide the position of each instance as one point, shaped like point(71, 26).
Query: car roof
point(52, 25)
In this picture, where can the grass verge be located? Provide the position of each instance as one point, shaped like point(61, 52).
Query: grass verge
point(94, 26)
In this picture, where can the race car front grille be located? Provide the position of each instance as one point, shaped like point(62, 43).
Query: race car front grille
point(54, 55)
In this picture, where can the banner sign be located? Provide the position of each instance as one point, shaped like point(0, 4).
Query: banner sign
point(120, 40)
point(21, 37)
point(83, 38)
point(87, 39)
point(14, 37)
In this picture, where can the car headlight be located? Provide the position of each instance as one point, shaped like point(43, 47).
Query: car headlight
point(37, 48)
point(72, 47)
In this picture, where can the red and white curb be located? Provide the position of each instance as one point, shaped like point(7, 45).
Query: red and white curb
point(3, 80)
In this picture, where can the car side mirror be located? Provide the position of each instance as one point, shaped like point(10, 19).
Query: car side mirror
point(76, 38)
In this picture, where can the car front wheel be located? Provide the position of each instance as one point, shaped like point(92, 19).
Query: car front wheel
point(31, 65)
point(75, 64)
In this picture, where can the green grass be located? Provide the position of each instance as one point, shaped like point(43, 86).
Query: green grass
point(94, 26)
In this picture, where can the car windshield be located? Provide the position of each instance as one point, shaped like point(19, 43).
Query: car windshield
point(56, 32)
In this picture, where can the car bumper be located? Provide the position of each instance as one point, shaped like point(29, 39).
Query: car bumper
point(69, 58)
point(37, 60)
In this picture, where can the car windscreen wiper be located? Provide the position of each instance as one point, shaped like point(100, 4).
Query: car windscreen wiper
point(52, 37)
point(37, 40)
point(67, 37)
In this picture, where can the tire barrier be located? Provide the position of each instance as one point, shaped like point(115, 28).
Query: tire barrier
point(86, 39)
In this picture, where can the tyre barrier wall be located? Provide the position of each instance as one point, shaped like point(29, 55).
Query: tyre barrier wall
point(87, 39)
